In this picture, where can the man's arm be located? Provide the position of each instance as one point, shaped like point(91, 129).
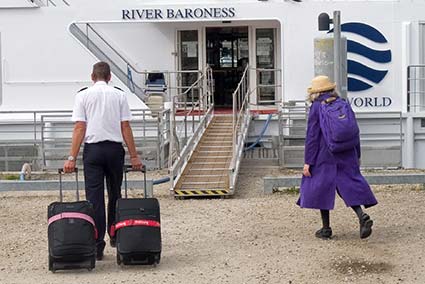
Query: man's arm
point(77, 139)
point(128, 137)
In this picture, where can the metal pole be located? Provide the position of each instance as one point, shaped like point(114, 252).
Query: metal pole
point(337, 53)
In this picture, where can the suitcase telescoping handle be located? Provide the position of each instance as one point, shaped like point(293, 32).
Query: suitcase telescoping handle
point(129, 168)
point(62, 172)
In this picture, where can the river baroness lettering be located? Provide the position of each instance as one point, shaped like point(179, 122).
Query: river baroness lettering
point(186, 13)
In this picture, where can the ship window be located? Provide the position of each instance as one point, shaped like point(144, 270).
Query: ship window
point(188, 54)
point(265, 55)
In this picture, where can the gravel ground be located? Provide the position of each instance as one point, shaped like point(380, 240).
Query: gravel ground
point(250, 238)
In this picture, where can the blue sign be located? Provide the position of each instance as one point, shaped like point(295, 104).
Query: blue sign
point(176, 14)
point(366, 76)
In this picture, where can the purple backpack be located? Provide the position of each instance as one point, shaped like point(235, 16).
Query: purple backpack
point(338, 124)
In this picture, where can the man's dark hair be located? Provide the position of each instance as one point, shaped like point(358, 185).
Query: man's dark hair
point(101, 71)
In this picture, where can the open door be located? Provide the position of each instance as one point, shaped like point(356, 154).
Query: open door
point(227, 55)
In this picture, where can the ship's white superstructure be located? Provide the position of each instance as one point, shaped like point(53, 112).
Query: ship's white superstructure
point(47, 49)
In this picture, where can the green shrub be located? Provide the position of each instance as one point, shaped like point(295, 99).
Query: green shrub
point(11, 177)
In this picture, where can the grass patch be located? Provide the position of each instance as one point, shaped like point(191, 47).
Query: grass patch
point(418, 187)
point(294, 190)
point(11, 177)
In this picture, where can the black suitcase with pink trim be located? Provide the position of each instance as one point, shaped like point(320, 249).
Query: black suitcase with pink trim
point(137, 228)
point(71, 233)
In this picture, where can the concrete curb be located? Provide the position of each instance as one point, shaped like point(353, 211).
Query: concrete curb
point(290, 181)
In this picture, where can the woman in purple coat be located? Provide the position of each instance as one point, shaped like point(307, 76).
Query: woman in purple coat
point(326, 173)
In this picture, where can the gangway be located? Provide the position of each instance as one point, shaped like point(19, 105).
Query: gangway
point(209, 163)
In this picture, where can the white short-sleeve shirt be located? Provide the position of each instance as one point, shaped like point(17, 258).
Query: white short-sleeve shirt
point(102, 108)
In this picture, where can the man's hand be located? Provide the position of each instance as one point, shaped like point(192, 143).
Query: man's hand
point(77, 138)
point(306, 170)
point(69, 166)
point(136, 163)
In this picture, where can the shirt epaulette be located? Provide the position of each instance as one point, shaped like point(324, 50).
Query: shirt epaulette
point(85, 88)
point(118, 88)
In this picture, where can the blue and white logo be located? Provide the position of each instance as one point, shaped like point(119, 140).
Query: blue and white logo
point(361, 76)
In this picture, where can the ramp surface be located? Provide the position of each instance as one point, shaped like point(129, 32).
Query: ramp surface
point(207, 172)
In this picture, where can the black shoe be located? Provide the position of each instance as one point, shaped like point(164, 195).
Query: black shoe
point(99, 250)
point(113, 242)
point(365, 226)
point(324, 233)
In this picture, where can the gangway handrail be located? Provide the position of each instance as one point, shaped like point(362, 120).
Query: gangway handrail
point(240, 123)
point(204, 107)
point(123, 68)
point(139, 71)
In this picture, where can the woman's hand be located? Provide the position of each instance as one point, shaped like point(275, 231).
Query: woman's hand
point(306, 170)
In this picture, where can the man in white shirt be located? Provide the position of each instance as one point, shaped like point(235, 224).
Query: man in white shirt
point(101, 115)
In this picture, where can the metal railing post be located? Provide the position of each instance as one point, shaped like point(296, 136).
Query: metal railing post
point(42, 142)
point(144, 123)
point(408, 89)
point(401, 139)
point(280, 140)
point(35, 133)
point(191, 111)
point(185, 116)
point(158, 145)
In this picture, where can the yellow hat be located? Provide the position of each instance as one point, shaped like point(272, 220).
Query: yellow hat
point(321, 84)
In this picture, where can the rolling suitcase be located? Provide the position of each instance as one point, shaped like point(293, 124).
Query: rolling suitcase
point(71, 233)
point(137, 228)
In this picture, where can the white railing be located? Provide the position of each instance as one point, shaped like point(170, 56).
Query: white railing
point(240, 124)
point(268, 87)
point(49, 134)
point(416, 88)
point(199, 110)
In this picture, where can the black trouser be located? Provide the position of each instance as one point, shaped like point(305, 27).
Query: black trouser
point(103, 159)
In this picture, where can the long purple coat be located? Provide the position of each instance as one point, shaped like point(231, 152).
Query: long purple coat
point(331, 172)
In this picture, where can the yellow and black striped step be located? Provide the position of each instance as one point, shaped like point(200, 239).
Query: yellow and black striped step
point(209, 192)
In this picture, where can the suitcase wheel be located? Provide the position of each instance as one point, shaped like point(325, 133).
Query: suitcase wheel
point(51, 265)
point(89, 264)
point(119, 259)
point(92, 263)
point(157, 259)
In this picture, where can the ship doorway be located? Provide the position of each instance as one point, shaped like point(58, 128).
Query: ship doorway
point(227, 53)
